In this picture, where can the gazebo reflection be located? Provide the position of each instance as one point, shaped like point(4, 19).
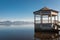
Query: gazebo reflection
point(46, 36)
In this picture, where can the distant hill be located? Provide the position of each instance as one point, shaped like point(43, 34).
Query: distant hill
point(15, 23)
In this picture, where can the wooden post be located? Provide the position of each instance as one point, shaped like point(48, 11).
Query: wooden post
point(54, 19)
point(34, 22)
point(48, 19)
point(34, 18)
point(51, 18)
point(41, 19)
point(57, 17)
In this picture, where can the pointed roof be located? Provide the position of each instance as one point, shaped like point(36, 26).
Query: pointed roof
point(46, 9)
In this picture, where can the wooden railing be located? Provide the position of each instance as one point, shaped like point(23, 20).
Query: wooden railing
point(46, 21)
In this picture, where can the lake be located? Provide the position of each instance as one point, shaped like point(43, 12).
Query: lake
point(24, 32)
point(16, 32)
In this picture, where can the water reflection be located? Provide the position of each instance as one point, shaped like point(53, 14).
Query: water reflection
point(16, 32)
point(46, 36)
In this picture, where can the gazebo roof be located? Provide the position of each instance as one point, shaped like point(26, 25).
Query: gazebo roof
point(46, 9)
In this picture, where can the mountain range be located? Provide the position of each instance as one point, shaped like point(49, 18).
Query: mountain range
point(15, 23)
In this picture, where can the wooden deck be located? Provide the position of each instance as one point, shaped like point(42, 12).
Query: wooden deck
point(52, 30)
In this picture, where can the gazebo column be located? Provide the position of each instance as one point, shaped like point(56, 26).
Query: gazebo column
point(51, 18)
point(54, 19)
point(57, 18)
point(34, 18)
point(48, 19)
point(41, 19)
point(57, 21)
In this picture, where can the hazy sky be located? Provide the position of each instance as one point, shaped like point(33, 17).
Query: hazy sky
point(23, 9)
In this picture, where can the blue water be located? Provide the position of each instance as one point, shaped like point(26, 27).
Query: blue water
point(16, 32)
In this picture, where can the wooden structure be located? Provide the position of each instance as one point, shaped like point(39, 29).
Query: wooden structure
point(46, 19)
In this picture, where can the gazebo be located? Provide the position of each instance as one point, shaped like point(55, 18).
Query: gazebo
point(45, 19)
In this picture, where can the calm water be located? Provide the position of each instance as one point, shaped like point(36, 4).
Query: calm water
point(16, 32)
point(24, 32)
